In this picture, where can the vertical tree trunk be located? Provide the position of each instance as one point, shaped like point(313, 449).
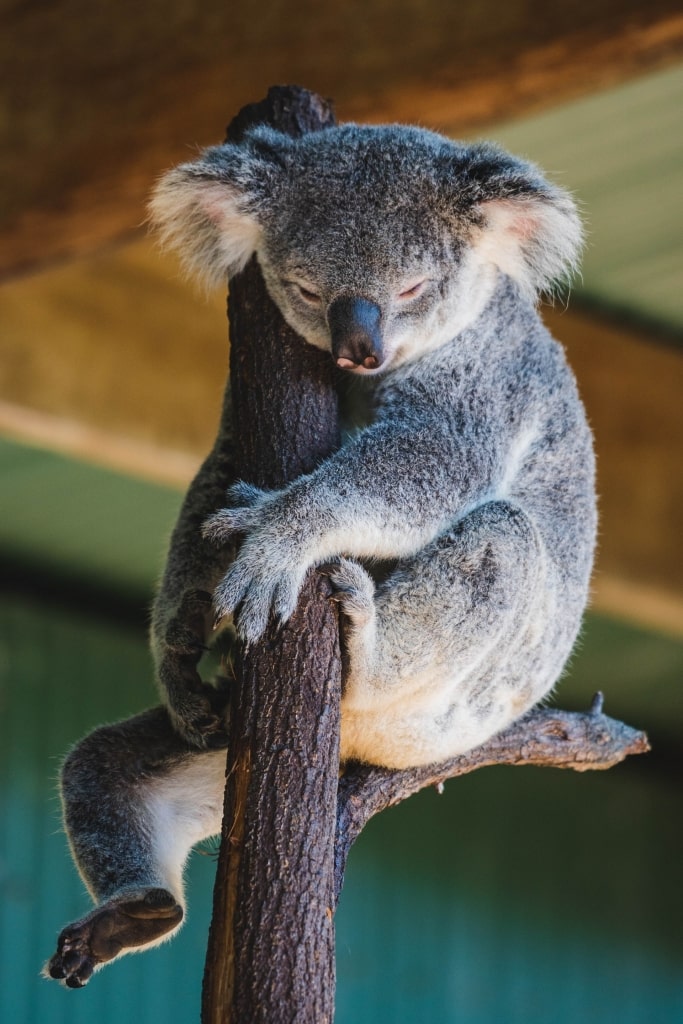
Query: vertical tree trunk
point(271, 945)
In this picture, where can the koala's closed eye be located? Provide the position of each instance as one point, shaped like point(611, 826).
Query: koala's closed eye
point(412, 291)
point(306, 292)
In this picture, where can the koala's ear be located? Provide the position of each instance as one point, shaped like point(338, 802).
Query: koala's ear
point(526, 226)
point(206, 211)
point(535, 239)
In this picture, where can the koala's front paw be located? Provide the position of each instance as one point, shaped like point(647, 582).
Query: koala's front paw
point(254, 587)
point(137, 919)
point(269, 568)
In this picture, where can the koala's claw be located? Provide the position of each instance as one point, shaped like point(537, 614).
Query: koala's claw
point(124, 922)
point(269, 568)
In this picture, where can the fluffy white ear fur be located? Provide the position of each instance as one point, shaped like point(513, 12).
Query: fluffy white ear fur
point(206, 223)
point(534, 239)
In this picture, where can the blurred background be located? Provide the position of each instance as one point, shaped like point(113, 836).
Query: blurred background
point(529, 896)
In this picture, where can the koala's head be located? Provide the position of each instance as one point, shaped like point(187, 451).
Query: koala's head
point(376, 243)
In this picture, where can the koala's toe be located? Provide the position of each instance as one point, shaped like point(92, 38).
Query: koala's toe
point(232, 590)
point(73, 963)
point(252, 615)
point(286, 597)
point(353, 588)
point(350, 577)
point(201, 717)
point(222, 525)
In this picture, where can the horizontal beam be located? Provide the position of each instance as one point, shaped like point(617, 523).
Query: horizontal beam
point(99, 99)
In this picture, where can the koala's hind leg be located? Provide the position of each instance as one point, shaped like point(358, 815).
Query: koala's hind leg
point(454, 645)
point(136, 799)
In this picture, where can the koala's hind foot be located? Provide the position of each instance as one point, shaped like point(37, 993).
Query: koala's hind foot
point(198, 710)
point(135, 919)
point(136, 799)
point(353, 588)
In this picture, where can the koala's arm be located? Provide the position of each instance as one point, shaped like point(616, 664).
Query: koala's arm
point(390, 491)
point(181, 614)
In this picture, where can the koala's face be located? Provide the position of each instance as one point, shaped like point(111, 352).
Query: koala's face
point(360, 260)
point(377, 243)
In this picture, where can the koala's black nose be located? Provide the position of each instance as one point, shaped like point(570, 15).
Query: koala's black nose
point(355, 328)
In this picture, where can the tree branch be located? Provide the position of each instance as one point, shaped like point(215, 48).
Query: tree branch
point(548, 738)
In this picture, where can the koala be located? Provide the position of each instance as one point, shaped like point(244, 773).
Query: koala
point(457, 525)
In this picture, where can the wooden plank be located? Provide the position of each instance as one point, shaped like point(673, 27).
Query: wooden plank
point(98, 99)
point(118, 361)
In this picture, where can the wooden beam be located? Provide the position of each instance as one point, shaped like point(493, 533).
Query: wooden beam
point(98, 99)
point(100, 345)
point(94, 354)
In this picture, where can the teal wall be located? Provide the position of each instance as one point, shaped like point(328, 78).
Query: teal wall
point(520, 895)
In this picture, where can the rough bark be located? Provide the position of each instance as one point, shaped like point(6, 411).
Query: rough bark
point(271, 946)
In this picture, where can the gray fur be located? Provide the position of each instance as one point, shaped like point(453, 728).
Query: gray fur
point(182, 614)
point(469, 493)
